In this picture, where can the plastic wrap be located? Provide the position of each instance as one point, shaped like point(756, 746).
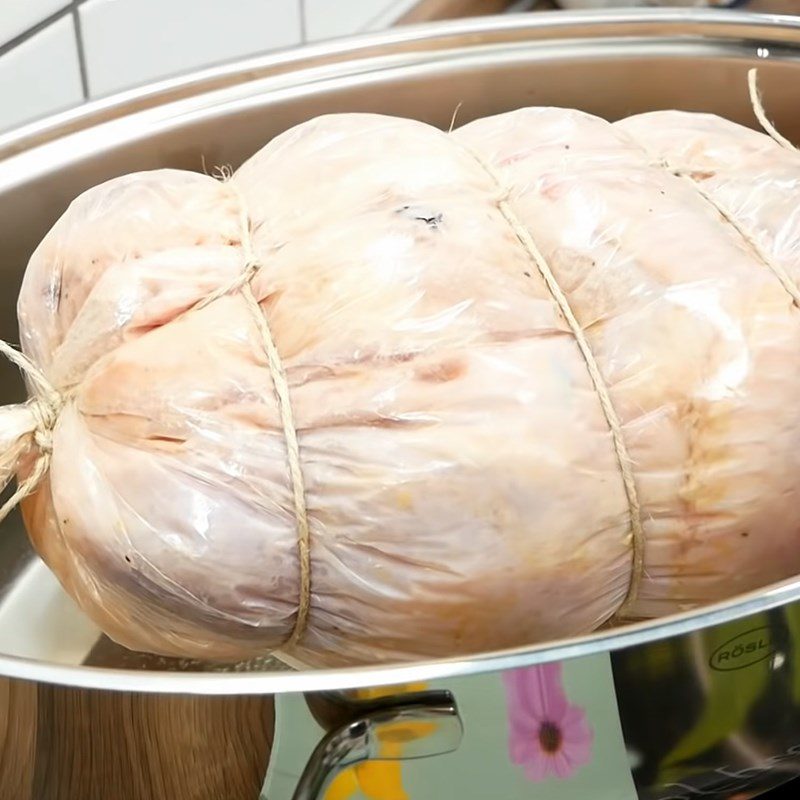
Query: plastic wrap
point(463, 467)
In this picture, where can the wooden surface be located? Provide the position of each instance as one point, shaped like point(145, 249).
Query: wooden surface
point(58, 743)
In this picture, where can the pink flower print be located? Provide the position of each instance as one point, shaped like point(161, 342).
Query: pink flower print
point(548, 736)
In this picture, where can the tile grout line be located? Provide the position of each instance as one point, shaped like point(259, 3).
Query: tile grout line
point(76, 21)
point(303, 34)
point(28, 33)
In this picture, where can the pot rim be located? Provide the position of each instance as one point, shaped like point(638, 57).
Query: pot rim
point(281, 682)
point(413, 40)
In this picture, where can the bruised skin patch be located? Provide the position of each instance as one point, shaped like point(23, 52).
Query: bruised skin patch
point(441, 372)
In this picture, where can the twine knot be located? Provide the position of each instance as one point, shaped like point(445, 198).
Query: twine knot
point(503, 195)
point(46, 410)
point(45, 407)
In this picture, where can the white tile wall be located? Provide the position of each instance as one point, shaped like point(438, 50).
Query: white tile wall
point(55, 53)
point(41, 75)
point(16, 16)
point(129, 42)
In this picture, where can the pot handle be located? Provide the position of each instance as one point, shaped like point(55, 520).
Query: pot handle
point(426, 723)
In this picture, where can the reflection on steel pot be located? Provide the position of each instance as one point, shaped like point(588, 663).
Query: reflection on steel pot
point(653, 722)
point(696, 729)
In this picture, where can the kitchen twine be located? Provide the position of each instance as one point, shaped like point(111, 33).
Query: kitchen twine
point(780, 273)
point(241, 284)
point(47, 402)
point(636, 534)
point(620, 450)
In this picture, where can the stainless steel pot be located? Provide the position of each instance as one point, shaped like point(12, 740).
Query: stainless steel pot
point(705, 704)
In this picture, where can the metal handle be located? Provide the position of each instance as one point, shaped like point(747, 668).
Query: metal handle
point(427, 723)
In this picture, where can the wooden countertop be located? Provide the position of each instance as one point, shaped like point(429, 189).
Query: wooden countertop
point(58, 743)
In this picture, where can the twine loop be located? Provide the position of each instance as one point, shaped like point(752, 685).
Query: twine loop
point(636, 537)
point(242, 284)
point(46, 416)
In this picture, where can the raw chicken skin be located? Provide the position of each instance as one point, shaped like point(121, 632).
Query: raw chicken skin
point(462, 486)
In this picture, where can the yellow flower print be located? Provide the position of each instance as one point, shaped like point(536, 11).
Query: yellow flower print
point(381, 780)
point(377, 780)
